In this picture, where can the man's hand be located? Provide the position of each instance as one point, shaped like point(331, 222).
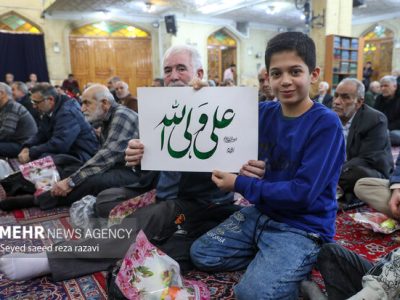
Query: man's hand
point(394, 204)
point(197, 83)
point(23, 156)
point(61, 188)
point(253, 168)
point(225, 181)
point(134, 153)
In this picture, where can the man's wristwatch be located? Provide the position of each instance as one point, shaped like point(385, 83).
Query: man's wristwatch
point(71, 183)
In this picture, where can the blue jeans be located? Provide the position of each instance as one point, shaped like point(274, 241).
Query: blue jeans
point(9, 149)
point(277, 256)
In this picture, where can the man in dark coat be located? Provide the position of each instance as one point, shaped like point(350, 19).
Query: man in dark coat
point(62, 129)
point(368, 152)
point(389, 103)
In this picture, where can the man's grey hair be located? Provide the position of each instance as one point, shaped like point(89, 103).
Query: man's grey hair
point(22, 87)
point(325, 84)
point(360, 88)
point(374, 83)
point(194, 55)
point(101, 92)
point(389, 79)
point(6, 88)
point(126, 86)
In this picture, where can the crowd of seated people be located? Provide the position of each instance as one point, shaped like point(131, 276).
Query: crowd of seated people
point(339, 148)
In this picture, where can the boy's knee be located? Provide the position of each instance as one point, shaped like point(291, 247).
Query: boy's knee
point(200, 257)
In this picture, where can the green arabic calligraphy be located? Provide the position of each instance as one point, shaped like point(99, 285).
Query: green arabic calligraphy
point(203, 119)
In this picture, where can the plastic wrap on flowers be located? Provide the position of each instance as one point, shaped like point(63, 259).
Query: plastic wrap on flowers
point(119, 212)
point(5, 169)
point(82, 214)
point(376, 221)
point(42, 173)
point(148, 273)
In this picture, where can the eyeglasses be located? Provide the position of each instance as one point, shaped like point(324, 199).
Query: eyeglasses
point(38, 102)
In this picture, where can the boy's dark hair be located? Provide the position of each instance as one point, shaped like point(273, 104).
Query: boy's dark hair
point(299, 42)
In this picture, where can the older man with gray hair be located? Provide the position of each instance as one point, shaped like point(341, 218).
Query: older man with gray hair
point(106, 168)
point(188, 205)
point(368, 152)
point(16, 124)
point(389, 103)
point(124, 95)
point(323, 96)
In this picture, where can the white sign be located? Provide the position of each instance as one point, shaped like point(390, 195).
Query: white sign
point(201, 131)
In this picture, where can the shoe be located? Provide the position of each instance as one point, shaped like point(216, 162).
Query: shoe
point(349, 201)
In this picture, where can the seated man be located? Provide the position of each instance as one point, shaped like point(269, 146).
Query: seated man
point(21, 95)
point(323, 96)
point(62, 129)
point(157, 82)
point(124, 96)
point(349, 276)
point(302, 151)
point(71, 85)
point(389, 103)
point(111, 86)
point(189, 196)
point(264, 88)
point(9, 78)
point(372, 93)
point(16, 124)
point(33, 80)
point(106, 168)
point(365, 131)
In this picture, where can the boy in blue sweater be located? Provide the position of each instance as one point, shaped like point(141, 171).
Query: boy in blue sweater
point(292, 185)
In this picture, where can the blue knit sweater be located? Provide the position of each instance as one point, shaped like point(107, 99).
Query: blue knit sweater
point(303, 159)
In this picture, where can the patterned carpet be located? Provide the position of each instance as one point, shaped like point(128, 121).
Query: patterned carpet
point(88, 287)
point(349, 234)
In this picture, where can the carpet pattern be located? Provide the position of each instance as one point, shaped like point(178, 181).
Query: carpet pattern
point(91, 287)
point(349, 234)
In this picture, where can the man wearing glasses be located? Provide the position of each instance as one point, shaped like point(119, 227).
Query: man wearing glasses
point(62, 128)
